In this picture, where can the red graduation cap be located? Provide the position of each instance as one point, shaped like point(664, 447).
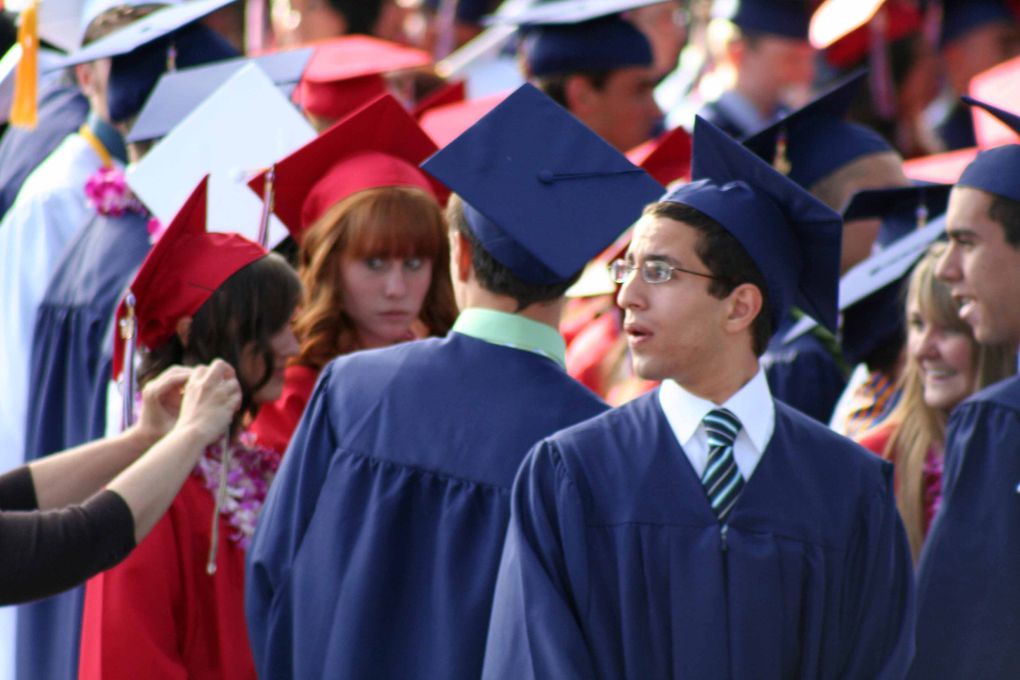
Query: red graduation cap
point(445, 123)
point(941, 168)
point(346, 72)
point(379, 145)
point(667, 158)
point(450, 93)
point(998, 86)
point(182, 270)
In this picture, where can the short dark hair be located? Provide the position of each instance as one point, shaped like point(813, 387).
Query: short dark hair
point(726, 259)
point(496, 277)
point(554, 85)
point(1006, 212)
point(360, 15)
point(251, 306)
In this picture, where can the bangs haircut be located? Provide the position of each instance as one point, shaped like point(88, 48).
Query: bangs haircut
point(385, 222)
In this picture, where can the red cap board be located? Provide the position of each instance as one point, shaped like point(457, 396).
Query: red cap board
point(182, 270)
point(346, 72)
point(445, 123)
point(380, 145)
point(666, 158)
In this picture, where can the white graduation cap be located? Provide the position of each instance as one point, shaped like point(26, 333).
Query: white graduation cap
point(178, 92)
point(878, 271)
point(242, 128)
point(59, 21)
point(563, 11)
point(144, 30)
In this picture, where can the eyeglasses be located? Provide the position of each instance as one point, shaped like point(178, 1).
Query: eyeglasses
point(652, 271)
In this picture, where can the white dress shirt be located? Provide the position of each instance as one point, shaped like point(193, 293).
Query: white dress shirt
point(753, 407)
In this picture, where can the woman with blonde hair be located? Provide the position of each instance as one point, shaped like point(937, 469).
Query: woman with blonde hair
point(945, 365)
point(374, 253)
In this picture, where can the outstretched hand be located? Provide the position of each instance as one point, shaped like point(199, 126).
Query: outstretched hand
point(212, 396)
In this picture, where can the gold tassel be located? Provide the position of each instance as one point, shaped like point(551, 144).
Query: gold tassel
point(782, 162)
point(26, 80)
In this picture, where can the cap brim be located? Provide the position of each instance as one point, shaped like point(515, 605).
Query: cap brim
point(141, 32)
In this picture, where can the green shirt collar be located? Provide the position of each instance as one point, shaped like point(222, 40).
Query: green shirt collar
point(512, 330)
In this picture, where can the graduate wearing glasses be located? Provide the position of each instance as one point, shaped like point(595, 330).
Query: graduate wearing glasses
point(706, 530)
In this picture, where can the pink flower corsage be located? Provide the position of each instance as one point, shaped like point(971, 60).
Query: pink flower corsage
point(108, 194)
point(251, 470)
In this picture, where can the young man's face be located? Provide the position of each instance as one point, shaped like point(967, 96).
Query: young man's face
point(623, 111)
point(981, 268)
point(672, 326)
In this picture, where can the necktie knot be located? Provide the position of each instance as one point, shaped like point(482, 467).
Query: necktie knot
point(722, 427)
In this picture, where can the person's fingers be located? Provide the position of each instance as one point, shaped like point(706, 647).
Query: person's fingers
point(172, 378)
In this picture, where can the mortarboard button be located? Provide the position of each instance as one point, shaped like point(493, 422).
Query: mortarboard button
point(377, 146)
point(792, 236)
point(543, 194)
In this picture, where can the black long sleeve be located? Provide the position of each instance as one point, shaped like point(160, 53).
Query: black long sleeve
point(43, 552)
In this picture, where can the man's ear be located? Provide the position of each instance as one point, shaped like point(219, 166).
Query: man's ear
point(183, 329)
point(745, 304)
point(460, 256)
point(578, 93)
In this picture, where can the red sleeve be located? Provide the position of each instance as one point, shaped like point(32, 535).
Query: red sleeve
point(876, 439)
point(133, 624)
point(275, 423)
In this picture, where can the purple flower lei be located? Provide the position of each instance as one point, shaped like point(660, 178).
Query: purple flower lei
point(251, 470)
point(108, 194)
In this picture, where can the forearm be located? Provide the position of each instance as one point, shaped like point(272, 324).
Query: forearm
point(72, 476)
point(151, 483)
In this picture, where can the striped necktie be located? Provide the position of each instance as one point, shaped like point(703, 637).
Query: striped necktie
point(722, 479)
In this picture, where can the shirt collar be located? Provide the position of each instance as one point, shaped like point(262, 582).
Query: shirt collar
point(752, 405)
point(512, 330)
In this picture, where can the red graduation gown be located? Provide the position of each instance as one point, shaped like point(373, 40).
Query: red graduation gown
point(159, 614)
point(275, 423)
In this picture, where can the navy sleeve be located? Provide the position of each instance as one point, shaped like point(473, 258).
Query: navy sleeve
point(45, 552)
point(535, 629)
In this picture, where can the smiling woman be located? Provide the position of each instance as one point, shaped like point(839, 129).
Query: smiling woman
point(945, 365)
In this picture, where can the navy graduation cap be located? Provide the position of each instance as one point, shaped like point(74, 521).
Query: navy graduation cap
point(786, 18)
point(564, 36)
point(902, 209)
point(816, 139)
point(141, 51)
point(793, 237)
point(995, 170)
point(178, 92)
point(542, 193)
point(961, 16)
point(871, 294)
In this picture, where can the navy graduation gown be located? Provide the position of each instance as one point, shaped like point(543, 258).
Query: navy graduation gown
point(616, 567)
point(803, 373)
point(967, 583)
point(377, 549)
point(62, 110)
point(69, 374)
